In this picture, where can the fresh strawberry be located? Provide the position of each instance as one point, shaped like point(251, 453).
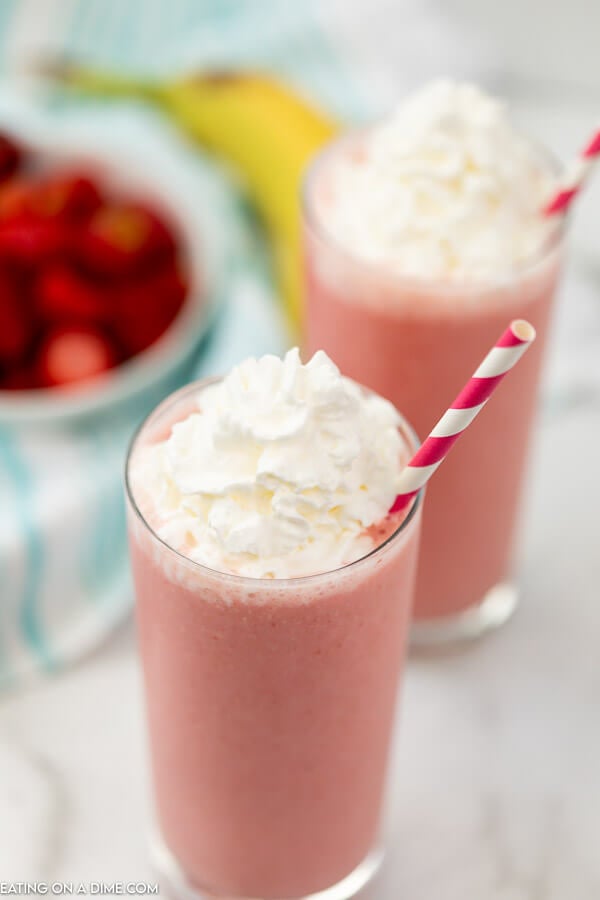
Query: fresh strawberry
point(64, 294)
point(144, 309)
point(15, 330)
point(73, 197)
point(136, 328)
point(171, 284)
point(74, 353)
point(21, 378)
point(27, 240)
point(15, 197)
point(10, 157)
point(121, 237)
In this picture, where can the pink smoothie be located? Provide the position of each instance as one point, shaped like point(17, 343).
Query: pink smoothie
point(270, 708)
point(416, 343)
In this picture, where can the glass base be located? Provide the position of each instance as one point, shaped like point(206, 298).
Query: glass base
point(495, 609)
point(174, 882)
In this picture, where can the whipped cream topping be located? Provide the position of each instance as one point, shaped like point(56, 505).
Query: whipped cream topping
point(446, 187)
point(278, 473)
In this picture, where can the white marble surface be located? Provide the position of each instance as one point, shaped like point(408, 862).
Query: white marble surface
point(498, 765)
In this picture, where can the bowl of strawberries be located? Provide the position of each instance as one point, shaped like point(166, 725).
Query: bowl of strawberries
point(101, 280)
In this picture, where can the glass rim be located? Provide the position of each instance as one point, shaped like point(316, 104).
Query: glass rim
point(319, 229)
point(271, 583)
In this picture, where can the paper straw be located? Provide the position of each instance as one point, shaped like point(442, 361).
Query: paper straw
point(505, 353)
point(577, 174)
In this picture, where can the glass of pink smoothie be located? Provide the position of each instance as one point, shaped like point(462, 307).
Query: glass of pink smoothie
point(270, 700)
point(415, 336)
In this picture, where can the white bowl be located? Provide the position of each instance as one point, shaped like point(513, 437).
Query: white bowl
point(147, 174)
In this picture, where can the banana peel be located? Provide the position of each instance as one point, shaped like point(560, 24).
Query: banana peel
point(262, 127)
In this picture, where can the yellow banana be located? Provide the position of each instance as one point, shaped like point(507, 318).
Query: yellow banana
point(262, 127)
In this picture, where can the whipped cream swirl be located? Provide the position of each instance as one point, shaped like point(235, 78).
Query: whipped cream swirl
point(445, 188)
point(279, 472)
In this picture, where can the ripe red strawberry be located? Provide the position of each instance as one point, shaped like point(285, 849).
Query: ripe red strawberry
point(72, 354)
point(136, 328)
point(15, 196)
point(21, 378)
point(171, 284)
point(63, 294)
point(70, 196)
point(121, 237)
point(15, 330)
point(145, 308)
point(10, 156)
point(29, 241)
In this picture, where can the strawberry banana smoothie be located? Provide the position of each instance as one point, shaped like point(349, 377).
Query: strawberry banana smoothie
point(273, 596)
point(423, 237)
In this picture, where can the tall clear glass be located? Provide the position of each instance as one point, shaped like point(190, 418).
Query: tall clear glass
point(270, 706)
point(416, 342)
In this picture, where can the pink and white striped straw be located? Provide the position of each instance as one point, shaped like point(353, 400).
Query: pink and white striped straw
point(505, 353)
point(575, 178)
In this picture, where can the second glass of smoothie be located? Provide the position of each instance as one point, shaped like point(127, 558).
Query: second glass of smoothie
point(273, 598)
point(422, 238)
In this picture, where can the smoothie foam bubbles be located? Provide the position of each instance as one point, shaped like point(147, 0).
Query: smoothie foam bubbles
point(444, 188)
point(279, 471)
